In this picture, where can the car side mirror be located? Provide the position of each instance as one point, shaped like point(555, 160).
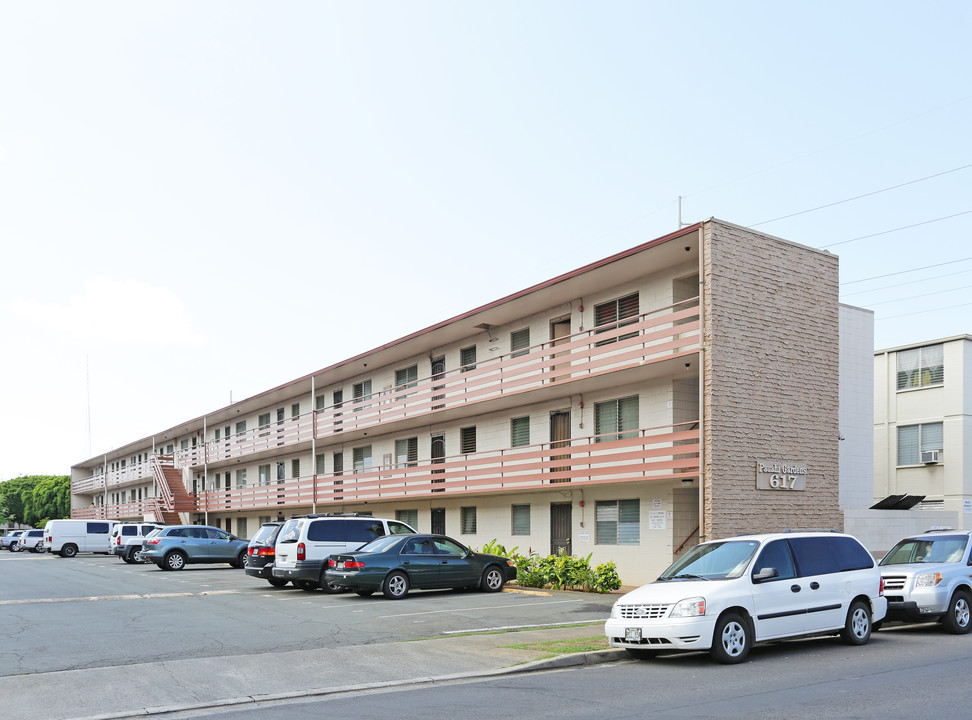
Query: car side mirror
point(765, 574)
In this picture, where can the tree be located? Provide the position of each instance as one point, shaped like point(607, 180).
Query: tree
point(35, 499)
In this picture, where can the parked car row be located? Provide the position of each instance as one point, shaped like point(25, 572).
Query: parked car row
point(18, 540)
point(724, 595)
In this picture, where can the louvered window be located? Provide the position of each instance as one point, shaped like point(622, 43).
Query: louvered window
point(409, 517)
point(467, 440)
point(320, 464)
point(241, 427)
point(520, 342)
point(615, 314)
point(616, 419)
point(519, 432)
point(295, 410)
point(467, 520)
point(295, 468)
point(406, 378)
point(241, 478)
point(617, 522)
point(520, 516)
point(921, 367)
point(362, 458)
point(913, 440)
point(361, 391)
point(467, 358)
point(320, 402)
point(338, 460)
point(264, 472)
point(406, 452)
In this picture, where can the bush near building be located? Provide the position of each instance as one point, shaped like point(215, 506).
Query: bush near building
point(561, 571)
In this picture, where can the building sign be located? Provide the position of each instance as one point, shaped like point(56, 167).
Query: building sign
point(779, 475)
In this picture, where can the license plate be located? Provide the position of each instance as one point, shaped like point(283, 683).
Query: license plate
point(632, 634)
point(340, 564)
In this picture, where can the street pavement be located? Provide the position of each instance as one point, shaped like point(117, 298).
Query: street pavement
point(142, 689)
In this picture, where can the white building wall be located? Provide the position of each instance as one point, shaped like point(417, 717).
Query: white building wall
point(856, 407)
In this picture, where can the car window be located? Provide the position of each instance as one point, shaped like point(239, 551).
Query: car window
point(850, 554)
point(381, 544)
point(445, 546)
point(147, 529)
point(199, 533)
point(331, 530)
point(715, 560)
point(946, 548)
point(363, 530)
point(398, 528)
point(777, 555)
point(129, 530)
point(152, 534)
point(177, 532)
point(289, 532)
point(814, 556)
point(217, 534)
point(419, 546)
point(98, 528)
point(264, 533)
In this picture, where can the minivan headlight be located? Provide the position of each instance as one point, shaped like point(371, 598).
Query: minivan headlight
point(614, 610)
point(928, 580)
point(690, 607)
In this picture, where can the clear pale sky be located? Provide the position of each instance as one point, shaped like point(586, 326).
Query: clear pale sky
point(206, 198)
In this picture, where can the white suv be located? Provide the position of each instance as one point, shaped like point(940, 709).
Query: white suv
point(724, 595)
point(126, 539)
point(928, 577)
point(305, 542)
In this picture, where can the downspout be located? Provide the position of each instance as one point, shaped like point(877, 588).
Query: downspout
point(702, 365)
point(205, 486)
point(313, 446)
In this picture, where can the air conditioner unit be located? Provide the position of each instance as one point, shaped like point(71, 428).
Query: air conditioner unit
point(929, 457)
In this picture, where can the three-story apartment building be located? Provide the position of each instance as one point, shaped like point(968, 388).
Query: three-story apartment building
point(684, 388)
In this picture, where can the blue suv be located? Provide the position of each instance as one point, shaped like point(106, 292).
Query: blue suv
point(175, 546)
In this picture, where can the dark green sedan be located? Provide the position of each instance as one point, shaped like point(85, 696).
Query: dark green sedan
point(396, 563)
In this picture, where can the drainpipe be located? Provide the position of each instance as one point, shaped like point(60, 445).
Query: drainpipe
point(313, 446)
point(205, 486)
point(702, 364)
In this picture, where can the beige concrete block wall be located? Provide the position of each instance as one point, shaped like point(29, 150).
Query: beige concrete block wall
point(771, 374)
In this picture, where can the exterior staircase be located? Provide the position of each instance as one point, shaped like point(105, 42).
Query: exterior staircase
point(173, 498)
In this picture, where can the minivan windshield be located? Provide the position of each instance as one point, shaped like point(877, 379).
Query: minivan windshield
point(713, 561)
point(940, 549)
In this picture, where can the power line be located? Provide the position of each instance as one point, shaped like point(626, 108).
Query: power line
point(858, 197)
point(913, 297)
point(921, 312)
point(902, 272)
point(886, 232)
point(907, 282)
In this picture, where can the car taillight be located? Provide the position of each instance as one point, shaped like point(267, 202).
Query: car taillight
point(881, 588)
point(262, 551)
point(301, 551)
point(331, 562)
point(353, 564)
point(118, 540)
point(152, 542)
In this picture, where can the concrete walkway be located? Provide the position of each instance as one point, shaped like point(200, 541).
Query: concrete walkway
point(149, 688)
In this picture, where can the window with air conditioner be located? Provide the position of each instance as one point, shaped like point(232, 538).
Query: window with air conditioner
point(916, 442)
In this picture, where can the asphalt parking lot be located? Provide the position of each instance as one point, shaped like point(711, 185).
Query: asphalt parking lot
point(95, 611)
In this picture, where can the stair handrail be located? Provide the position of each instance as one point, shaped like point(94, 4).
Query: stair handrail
point(168, 502)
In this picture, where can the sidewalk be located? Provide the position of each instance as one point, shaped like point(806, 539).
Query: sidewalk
point(112, 693)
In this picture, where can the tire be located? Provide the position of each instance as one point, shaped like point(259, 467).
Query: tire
point(277, 582)
point(857, 627)
point(731, 640)
point(395, 586)
point(69, 550)
point(14, 548)
point(639, 654)
point(956, 620)
point(364, 593)
point(493, 579)
point(240, 561)
point(129, 556)
point(175, 560)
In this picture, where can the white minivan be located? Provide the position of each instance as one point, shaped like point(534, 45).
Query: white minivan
point(69, 537)
point(724, 595)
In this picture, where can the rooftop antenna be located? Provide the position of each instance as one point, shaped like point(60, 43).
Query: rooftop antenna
point(680, 223)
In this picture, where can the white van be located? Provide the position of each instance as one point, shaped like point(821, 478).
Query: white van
point(724, 595)
point(69, 537)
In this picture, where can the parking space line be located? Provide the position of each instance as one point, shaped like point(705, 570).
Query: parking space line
point(96, 598)
point(484, 607)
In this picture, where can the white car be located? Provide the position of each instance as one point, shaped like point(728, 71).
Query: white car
point(32, 540)
point(724, 595)
point(8, 540)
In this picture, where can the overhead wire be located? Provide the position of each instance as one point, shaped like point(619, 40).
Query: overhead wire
point(906, 282)
point(897, 229)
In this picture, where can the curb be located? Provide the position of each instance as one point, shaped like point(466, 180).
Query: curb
point(595, 657)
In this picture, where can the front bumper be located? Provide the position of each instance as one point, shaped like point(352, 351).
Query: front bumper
point(919, 604)
point(694, 633)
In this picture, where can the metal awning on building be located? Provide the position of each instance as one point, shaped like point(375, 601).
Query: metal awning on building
point(898, 502)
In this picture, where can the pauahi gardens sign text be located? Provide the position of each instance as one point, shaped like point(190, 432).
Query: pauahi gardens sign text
point(778, 475)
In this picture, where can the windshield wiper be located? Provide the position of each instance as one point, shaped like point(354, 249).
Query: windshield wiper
point(689, 576)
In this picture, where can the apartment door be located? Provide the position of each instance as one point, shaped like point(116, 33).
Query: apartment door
point(438, 374)
point(438, 457)
point(560, 535)
point(559, 334)
point(438, 521)
point(559, 438)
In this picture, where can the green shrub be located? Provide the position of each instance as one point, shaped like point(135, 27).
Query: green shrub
point(565, 572)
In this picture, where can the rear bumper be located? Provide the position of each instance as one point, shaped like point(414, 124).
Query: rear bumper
point(303, 570)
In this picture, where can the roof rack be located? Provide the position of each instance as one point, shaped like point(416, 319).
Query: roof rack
point(796, 530)
point(323, 515)
point(936, 529)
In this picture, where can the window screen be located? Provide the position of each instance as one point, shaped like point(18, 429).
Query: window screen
point(520, 515)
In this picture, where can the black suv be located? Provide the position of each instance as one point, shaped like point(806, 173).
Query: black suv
point(260, 554)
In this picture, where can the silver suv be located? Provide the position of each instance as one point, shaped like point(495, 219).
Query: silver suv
point(926, 578)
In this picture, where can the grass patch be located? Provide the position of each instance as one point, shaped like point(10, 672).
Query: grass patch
point(564, 647)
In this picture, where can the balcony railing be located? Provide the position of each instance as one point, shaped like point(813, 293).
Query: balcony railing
point(130, 473)
point(664, 453)
point(662, 334)
point(119, 511)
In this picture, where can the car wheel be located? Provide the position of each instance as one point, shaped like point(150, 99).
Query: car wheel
point(857, 628)
point(731, 640)
point(174, 561)
point(640, 654)
point(69, 550)
point(277, 582)
point(493, 579)
point(364, 593)
point(956, 620)
point(329, 588)
point(14, 548)
point(240, 561)
point(130, 556)
point(395, 586)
